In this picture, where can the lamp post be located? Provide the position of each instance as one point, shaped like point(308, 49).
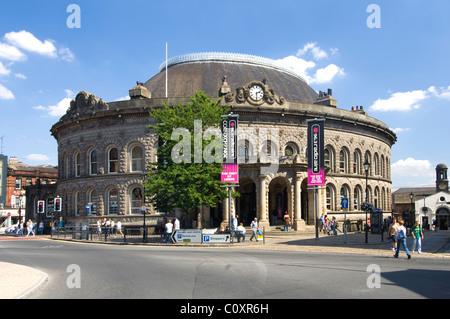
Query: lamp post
point(366, 169)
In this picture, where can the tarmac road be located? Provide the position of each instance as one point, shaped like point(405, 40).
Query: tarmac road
point(34, 272)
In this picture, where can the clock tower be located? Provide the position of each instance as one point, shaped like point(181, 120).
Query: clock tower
point(441, 178)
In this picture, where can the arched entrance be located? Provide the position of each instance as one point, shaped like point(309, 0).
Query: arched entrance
point(443, 216)
point(246, 202)
point(307, 205)
point(279, 199)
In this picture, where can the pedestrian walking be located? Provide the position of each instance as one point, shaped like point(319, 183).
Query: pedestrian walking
point(417, 234)
point(168, 228)
point(41, 228)
point(392, 233)
point(254, 226)
point(287, 221)
point(176, 223)
point(119, 228)
point(401, 240)
point(334, 223)
point(30, 228)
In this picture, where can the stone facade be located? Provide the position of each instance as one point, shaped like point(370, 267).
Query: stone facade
point(104, 148)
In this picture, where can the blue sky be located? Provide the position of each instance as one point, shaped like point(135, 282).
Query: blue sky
point(398, 72)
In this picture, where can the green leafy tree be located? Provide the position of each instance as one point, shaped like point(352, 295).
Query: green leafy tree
point(182, 178)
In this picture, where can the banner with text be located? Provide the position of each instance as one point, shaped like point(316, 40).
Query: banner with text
point(230, 172)
point(316, 167)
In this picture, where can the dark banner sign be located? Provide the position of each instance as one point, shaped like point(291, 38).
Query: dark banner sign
point(316, 166)
point(229, 134)
point(3, 173)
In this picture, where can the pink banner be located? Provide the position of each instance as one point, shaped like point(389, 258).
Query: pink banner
point(316, 179)
point(230, 174)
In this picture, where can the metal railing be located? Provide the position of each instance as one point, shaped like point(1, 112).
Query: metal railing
point(106, 234)
point(127, 235)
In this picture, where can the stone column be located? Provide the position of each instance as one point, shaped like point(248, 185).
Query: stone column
point(299, 223)
point(263, 193)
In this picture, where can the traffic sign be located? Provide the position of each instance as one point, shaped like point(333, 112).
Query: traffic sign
point(187, 236)
point(344, 204)
point(216, 239)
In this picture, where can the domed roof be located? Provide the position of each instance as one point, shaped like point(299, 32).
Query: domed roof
point(190, 73)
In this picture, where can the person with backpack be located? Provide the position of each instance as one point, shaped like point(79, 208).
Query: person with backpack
point(401, 240)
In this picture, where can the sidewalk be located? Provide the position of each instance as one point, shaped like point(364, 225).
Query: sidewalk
point(435, 244)
point(22, 281)
point(19, 281)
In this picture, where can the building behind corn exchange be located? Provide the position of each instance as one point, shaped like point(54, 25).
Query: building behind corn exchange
point(104, 147)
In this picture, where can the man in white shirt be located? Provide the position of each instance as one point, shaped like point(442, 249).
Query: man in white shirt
point(401, 240)
point(168, 231)
point(240, 232)
point(176, 224)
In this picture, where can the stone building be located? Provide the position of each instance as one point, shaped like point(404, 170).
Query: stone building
point(21, 177)
point(104, 147)
point(425, 204)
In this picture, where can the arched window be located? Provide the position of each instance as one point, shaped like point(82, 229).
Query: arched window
point(137, 159)
point(343, 160)
point(291, 149)
point(113, 202)
point(77, 164)
point(330, 198)
point(113, 161)
point(77, 203)
point(376, 199)
point(66, 166)
point(357, 196)
point(93, 200)
point(356, 163)
point(93, 160)
point(136, 201)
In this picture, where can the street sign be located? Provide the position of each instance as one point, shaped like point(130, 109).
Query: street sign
point(344, 204)
point(187, 236)
point(88, 208)
point(216, 239)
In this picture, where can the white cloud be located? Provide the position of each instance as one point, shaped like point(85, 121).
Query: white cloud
point(412, 167)
point(402, 101)
point(443, 93)
point(327, 74)
point(27, 41)
point(6, 94)
point(66, 55)
point(9, 52)
point(399, 130)
point(317, 52)
point(60, 108)
point(4, 70)
point(297, 65)
point(38, 158)
point(305, 68)
point(20, 76)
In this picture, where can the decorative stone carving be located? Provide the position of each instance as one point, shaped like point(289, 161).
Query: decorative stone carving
point(242, 94)
point(86, 102)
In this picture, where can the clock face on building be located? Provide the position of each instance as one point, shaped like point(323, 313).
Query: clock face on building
point(442, 186)
point(256, 92)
